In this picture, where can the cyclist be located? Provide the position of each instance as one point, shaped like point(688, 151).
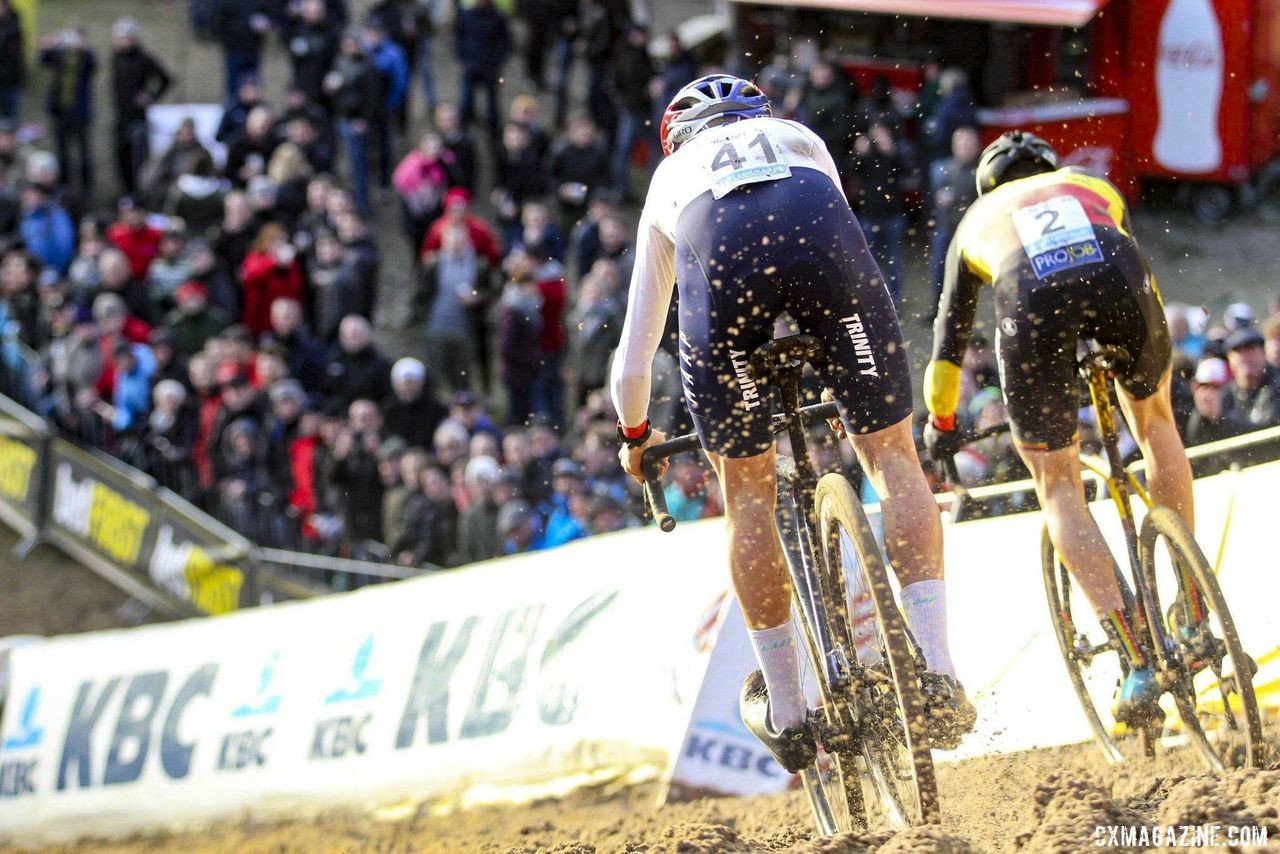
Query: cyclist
point(1057, 247)
point(747, 215)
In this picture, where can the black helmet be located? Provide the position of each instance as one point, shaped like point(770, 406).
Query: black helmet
point(1016, 154)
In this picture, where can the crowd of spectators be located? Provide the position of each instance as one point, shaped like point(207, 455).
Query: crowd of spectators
point(210, 318)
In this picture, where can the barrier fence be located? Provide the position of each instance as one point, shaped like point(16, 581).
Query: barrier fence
point(181, 562)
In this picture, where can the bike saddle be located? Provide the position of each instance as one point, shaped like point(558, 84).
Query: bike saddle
point(784, 356)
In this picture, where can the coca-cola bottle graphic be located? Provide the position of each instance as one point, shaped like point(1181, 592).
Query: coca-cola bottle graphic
point(1189, 65)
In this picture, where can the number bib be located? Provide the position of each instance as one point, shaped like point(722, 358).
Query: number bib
point(1057, 235)
point(734, 165)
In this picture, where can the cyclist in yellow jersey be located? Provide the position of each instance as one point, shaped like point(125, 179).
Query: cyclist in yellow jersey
point(1057, 248)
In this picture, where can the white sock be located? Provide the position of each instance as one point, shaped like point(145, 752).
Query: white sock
point(862, 614)
point(776, 651)
point(924, 604)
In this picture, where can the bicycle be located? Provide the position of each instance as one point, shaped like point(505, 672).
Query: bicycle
point(870, 726)
point(1193, 634)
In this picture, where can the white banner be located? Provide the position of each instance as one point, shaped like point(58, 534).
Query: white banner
point(513, 678)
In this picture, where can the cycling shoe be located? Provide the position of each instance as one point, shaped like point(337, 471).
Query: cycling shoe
point(793, 747)
point(948, 711)
point(1139, 698)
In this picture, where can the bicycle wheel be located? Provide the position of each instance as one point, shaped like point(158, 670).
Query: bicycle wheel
point(832, 784)
point(1205, 668)
point(888, 704)
point(1095, 668)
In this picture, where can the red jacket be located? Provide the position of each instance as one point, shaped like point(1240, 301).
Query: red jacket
point(553, 334)
point(209, 407)
point(140, 246)
point(482, 239)
point(263, 282)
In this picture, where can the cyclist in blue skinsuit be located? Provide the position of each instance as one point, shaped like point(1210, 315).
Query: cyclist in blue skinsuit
point(747, 214)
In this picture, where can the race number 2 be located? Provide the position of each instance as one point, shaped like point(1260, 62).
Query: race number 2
point(735, 164)
point(1057, 235)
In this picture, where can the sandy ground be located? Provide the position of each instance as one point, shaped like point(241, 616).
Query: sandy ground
point(1040, 801)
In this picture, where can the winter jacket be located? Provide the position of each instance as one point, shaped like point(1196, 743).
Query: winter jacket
point(519, 336)
point(357, 94)
point(263, 282)
point(71, 73)
point(393, 66)
point(135, 72)
point(357, 376)
point(13, 66)
point(139, 245)
point(414, 421)
point(312, 49)
point(50, 235)
point(481, 40)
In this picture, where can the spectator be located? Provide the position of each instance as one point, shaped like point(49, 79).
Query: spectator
point(678, 69)
point(236, 113)
point(196, 197)
point(360, 261)
point(1206, 422)
point(401, 468)
point(432, 537)
point(953, 110)
point(117, 279)
point(290, 172)
point(539, 232)
point(954, 188)
point(19, 300)
point(457, 211)
point(596, 328)
point(457, 142)
point(881, 170)
point(237, 232)
point(632, 71)
point(615, 247)
point(548, 393)
point(550, 23)
point(239, 26)
point(356, 369)
point(168, 270)
point(313, 44)
point(393, 69)
point(579, 164)
point(251, 148)
point(72, 67)
point(411, 411)
point(517, 527)
point(83, 275)
point(355, 470)
point(1251, 400)
point(524, 112)
point(132, 366)
point(352, 87)
point(478, 524)
point(203, 267)
point(270, 271)
point(482, 43)
point(13, 67)
point(563, 513)
point(421, 181)
point(602, 22)
point(46, 228)
point(825, 106)
point(194, 321)
point(1183, 334)
point(454, 282)
point(138, 81)
point(1238, 315)
point(1271, 340)
point(303, 355)
point(167, 438)
point(288, 403)
point(184, 155)
point(13, 162)
point(306, 124)
point(519, 338)
point(404, 22)
point(133, 235)
point(521, 176)
point(334, 291)
point(584, 240)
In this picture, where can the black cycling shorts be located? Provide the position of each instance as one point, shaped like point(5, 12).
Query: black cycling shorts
point(1041, 321)
point(793, 246)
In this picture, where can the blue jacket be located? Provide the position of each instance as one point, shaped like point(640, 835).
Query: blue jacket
point(132, 397)
point(50, 235)
point(392, 64)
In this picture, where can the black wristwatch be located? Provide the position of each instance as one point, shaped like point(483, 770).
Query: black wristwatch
point(638, 440)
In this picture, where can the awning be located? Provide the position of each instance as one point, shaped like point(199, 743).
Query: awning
point(1050, 13)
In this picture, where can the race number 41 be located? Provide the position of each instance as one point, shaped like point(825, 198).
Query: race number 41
point(734, 164)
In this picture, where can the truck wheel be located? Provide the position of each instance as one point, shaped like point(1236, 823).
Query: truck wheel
point(1210, 203)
